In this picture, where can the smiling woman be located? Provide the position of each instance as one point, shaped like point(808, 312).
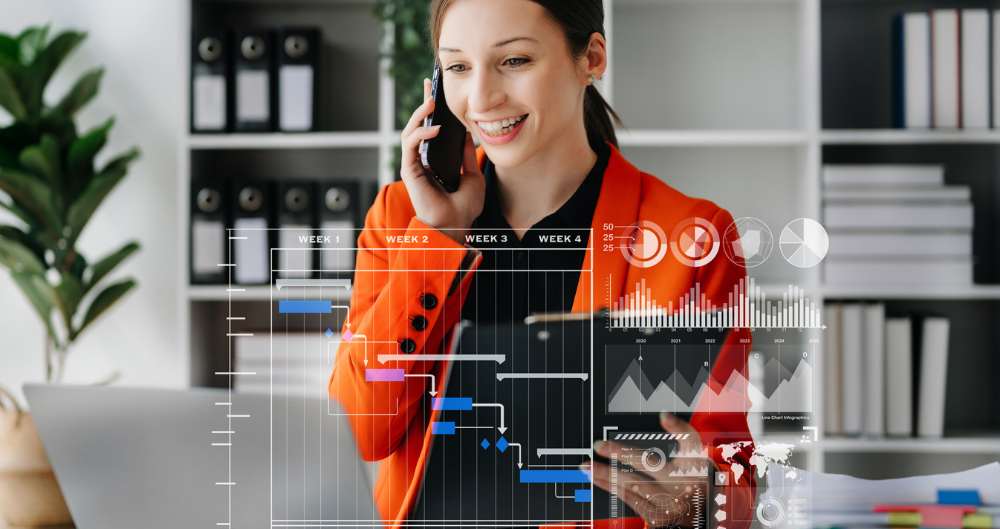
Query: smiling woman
point(519, 75)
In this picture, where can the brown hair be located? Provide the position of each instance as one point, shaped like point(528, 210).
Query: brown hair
point(579, 19)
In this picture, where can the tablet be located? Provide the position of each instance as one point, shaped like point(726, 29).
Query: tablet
point(523, 404)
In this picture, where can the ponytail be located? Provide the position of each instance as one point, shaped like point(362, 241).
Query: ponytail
point(597, 115)
point(579, 19)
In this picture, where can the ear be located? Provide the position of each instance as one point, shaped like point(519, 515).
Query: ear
point(595, 59)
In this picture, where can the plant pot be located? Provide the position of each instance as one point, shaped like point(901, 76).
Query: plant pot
point(29, 492)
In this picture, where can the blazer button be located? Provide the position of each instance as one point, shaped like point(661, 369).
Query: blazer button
point(408, 345)
point(428, 301)
point(419, 323)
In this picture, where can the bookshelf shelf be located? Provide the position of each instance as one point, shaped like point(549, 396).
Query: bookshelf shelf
point(278, 140)
point(957, 445)
point(897, 137)
point(721, 138)
point(252, 293)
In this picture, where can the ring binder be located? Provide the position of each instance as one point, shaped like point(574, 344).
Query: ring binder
point(298, 82)
point(253, 80)
point(209, 86)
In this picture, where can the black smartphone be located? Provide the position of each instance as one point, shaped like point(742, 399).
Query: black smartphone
point(442, 154)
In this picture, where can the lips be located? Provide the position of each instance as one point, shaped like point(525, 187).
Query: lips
point(500, 131)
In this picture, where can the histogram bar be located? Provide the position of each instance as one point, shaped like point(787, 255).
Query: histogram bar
point(337, 283)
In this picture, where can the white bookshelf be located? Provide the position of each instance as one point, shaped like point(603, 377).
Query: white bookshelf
point(720, 98)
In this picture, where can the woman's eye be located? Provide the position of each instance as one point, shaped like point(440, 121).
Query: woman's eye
point(457, 68)
point(517, 62)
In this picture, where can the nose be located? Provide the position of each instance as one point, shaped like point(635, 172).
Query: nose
point(485, 90)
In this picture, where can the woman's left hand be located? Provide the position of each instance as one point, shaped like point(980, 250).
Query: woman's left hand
point(655, 495)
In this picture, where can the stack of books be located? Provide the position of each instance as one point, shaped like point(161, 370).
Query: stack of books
point(880, 377)
point(943, 69)
point(293, 364)
point(896, 224)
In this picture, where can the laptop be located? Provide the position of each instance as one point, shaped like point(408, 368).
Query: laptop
point(156, 458)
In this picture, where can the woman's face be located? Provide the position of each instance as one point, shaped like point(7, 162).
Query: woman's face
point(509, 76)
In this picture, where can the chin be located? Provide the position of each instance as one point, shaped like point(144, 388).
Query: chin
point(510, 154)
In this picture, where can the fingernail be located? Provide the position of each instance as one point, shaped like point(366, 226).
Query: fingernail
point(434, 127)
point(599, 446)
point(426, 80)
point(428, 99)
point(667, 418)
point(584, 466)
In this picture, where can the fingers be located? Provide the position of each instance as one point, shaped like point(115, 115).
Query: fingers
point(672, 424)
point(420, 133)
point(425, 109)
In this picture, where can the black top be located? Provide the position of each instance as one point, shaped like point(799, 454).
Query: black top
point(540, 272)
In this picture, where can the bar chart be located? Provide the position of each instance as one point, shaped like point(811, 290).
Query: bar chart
point(746, 307)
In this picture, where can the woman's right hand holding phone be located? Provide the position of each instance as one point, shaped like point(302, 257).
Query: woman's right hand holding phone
point(452, 213)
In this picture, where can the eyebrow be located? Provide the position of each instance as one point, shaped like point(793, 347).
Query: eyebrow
point(497, 44)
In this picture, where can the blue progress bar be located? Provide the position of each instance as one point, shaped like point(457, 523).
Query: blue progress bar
point(555, 476)
point(305, 307)
point(454, 403)
point(581, 495)
point(442, 428)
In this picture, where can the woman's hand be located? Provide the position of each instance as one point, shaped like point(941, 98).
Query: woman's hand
point(452, 213)
point(659, 498)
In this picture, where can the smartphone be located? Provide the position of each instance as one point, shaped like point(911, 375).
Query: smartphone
point(442, 154)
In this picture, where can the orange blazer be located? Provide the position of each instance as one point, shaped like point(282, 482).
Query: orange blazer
point(406, 268)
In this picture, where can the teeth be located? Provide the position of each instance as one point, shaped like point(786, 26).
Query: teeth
point(499, 128)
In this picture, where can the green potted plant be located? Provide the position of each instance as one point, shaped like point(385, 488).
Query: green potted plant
point(50, 187)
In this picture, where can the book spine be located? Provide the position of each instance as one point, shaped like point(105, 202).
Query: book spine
point(874, 369)
point(833, 418)
point(899, 377)
point(933, 377)
point(852, 388)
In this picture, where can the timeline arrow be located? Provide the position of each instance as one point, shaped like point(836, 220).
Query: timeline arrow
point(502, 428)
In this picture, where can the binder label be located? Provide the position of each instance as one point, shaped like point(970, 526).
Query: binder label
point(209, 102)
point(296, 97)
point(252, 95)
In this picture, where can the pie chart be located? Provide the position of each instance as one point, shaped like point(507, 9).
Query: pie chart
point(695, 242)
point(804, 243)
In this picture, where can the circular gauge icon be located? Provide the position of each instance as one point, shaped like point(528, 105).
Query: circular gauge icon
point(695, 242)
point(748, 242)
point(770, 512)
point(644, 244)
point(654, 459)
point(804, 243)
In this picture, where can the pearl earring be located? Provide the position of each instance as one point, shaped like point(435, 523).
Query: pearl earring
point(591, 78)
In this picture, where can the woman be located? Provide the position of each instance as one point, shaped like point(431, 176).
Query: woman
point(519, 74)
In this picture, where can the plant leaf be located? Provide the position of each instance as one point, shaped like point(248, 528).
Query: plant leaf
point(96, 191)
point(30, 42)
point(22, 214)
point(80, 160)
point(121, 162)
point(69, 292)
point(44, 65)
point(104, 301)
point(43, 160)
point(30, 240)
point(10, 96)
point(8, 51)
point(41, 295)
point(18, 257)
point(32, 195)
point(82, 92)
point(102, 268)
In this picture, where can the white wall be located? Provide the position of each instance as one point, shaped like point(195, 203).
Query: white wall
point(141, 44)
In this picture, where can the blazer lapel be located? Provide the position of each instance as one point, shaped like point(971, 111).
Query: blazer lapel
point(618, 205)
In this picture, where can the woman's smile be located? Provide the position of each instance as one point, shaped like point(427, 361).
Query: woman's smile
point(500, 131)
